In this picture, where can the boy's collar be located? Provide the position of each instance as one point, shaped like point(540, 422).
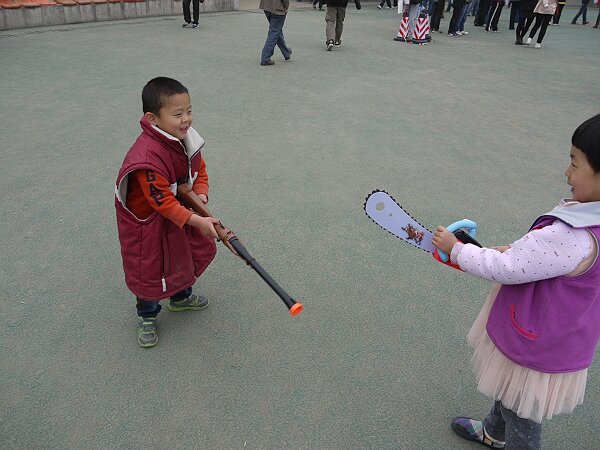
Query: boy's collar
point(192, 142)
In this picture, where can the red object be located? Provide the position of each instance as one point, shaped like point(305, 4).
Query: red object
point(34, 3)
point(9, 4)
point(296, 308)
point(159, 258)
point(436, 255)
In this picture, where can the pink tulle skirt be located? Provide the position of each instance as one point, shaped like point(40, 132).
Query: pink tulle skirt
point(530, 394)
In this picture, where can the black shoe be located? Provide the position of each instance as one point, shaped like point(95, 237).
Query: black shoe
point(269, 62)
point(287, 58)
point(185, 25)
point(194, 25)
point(584, 23)
point(329, 46)
point(519, 42)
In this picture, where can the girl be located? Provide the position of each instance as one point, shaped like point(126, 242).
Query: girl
point(537, 333)
point(544, 10)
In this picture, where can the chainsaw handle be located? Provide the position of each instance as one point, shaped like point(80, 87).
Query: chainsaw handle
point(465, 224)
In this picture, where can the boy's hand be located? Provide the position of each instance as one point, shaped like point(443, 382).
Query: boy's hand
point(444, 239)
point(206, 225)
point(203, 197)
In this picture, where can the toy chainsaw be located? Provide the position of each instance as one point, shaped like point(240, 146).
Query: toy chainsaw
point(390, 216)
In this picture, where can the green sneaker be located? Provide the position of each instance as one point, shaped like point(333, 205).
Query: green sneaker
point(191, 303)
point(147, 335)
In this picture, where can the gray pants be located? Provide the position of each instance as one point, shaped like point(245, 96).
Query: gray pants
point(520, 434)
point(334, 19)
point(413, 15)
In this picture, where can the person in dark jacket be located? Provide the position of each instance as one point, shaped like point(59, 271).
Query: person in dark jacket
point(275, 12)
point(526, 17)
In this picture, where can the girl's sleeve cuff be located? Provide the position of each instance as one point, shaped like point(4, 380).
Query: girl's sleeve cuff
point(455, 251)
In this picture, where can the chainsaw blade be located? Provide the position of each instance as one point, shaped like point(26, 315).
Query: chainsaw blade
point(389, 215)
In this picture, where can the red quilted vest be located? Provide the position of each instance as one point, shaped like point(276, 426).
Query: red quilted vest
point(159, 258)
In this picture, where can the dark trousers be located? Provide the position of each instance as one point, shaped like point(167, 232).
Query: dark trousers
point(503, 424)
point(582, 10)
point(458, 7)
point(147, 308)
point(436, 14)
point(484, 6)
point(525, 20)
point(556, 16)
point(389, 3)
point(186, 11)
point(514, 16)
point(541, 23)
point(494, 15)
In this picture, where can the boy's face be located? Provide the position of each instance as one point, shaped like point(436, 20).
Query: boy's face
point(175, 116)
point(584, 182)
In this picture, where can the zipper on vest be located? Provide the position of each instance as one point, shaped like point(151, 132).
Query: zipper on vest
point(164, 283)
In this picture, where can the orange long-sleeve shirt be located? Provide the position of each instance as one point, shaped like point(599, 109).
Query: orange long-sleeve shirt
point(148, 191)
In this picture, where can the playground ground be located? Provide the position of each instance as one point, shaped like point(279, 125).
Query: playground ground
point(471, 127)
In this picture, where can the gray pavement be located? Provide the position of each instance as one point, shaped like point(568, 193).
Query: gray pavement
point(472, 127)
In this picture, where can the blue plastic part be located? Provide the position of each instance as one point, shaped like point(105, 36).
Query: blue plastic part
point(466, 224)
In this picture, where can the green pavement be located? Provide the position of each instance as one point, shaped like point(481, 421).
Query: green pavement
point(471, 127)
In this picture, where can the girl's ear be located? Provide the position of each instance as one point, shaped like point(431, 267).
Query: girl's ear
point(151, 117)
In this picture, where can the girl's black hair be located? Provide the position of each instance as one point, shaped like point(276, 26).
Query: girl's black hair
point(156, 90)
point(587, 139)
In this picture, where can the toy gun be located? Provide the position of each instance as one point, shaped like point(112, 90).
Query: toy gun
point(228, 237)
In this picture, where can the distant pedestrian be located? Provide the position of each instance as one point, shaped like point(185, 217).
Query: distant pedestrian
point(494, 15)
point(334, 23)
point(544, 10)
point(559, 7)
point(275, 12)
point(582, 12)
point(526, 17)
point(437, 10)
point(187, 17)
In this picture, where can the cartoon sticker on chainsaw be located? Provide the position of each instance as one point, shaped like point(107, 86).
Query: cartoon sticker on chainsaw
point(413, 233)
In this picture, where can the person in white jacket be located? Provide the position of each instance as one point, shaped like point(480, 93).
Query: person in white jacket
point(544, 10)
point(413, 13)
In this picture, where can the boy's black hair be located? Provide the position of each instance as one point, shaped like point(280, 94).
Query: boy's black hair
point(156, 90)
point(587, 139)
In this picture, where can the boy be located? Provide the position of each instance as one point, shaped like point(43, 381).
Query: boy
point(164, 246)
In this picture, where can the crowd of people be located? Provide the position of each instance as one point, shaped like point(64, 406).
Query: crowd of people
point(486, 13)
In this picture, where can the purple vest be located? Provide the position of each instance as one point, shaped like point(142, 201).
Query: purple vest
point(551, 325)
point(159, 258)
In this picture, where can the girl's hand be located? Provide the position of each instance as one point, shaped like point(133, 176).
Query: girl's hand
point(501, 248)
point(203, 197)
point(444, 239)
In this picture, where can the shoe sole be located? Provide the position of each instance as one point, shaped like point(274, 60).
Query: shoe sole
point(149, 345)
point(186, 308)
